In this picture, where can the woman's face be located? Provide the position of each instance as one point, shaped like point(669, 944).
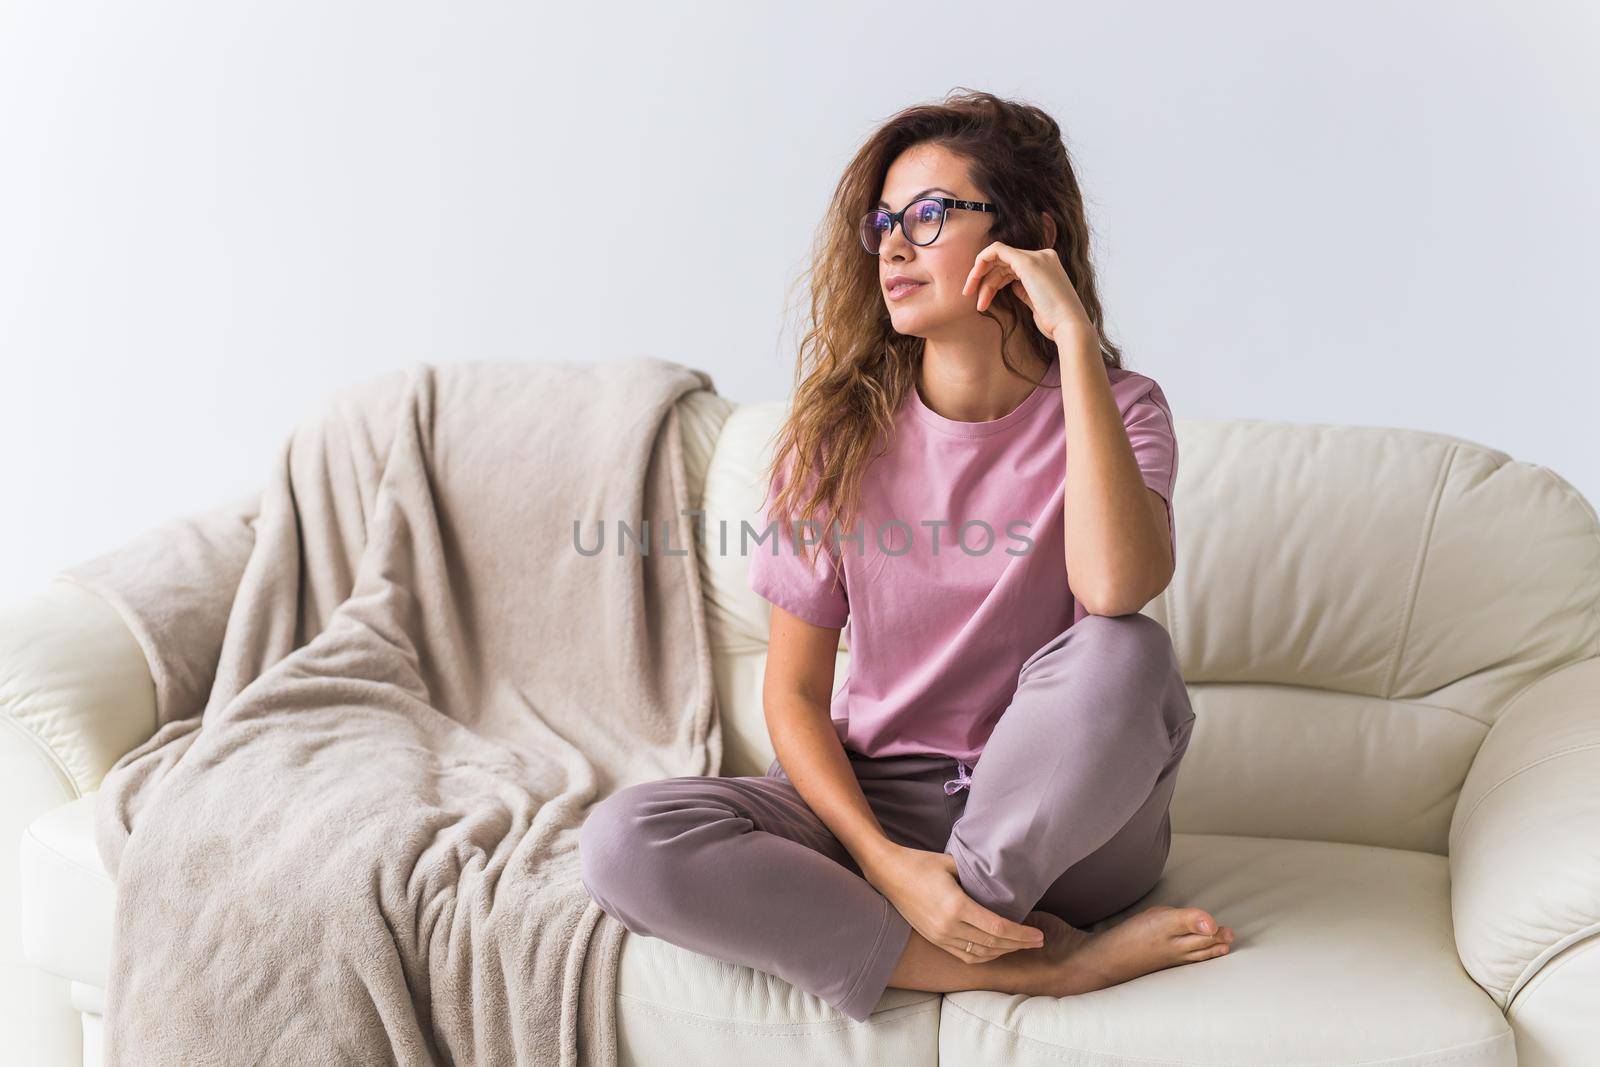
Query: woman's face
point(942, 267)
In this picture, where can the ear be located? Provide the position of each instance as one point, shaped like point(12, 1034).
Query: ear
point(1049, 230)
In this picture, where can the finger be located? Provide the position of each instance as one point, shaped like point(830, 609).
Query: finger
point(998, 931)
point(969, 945)
point(1002, 285)
point(977, 954)
point(985, 953)
point(970, 942)
point(983, 286)
point(987, 942)
point(956, 951)
point(992, 286)
point(985, 259)
point(978, 270)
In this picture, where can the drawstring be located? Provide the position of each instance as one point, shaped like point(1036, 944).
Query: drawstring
point(963, 778)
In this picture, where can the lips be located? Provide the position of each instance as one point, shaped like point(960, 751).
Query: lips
point(899, 287)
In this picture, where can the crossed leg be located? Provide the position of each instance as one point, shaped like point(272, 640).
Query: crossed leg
point(741, 869)
point(1067, 813)
point(1069, 801)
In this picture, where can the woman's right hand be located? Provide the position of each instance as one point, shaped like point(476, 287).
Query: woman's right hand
point(925, 888)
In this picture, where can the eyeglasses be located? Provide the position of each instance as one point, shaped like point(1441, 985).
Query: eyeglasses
point(921, 221)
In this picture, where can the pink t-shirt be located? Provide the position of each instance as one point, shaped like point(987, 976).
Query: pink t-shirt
point(937, 633)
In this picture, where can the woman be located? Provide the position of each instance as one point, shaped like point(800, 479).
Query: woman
point(956, 392)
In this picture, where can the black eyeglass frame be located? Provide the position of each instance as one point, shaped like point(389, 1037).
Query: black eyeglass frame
point(896, 218)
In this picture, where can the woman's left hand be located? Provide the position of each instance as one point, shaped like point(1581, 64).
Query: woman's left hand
point(1042, 284)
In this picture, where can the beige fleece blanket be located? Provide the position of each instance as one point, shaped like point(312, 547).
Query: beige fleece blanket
point(389, 689)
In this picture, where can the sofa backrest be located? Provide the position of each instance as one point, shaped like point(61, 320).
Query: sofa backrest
point(1353, 608)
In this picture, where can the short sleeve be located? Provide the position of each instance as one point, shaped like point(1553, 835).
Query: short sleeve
point(781, 573)
point(1152, 434)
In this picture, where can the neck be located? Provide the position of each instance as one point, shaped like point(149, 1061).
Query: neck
point(969, 383)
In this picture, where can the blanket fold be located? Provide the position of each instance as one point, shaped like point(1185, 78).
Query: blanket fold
point(389, 689)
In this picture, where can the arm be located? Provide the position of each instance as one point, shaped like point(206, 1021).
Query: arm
point(810, 606)
point(922, 886)
point(797, 695)
point(1525, 861)
point(1118, 541)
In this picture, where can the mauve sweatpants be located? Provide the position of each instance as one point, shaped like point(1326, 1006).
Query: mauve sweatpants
point(1066, 811)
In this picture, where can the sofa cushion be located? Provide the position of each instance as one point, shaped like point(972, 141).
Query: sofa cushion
point(1342, 954)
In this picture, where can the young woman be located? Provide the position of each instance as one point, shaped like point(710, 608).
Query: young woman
point(993, 490)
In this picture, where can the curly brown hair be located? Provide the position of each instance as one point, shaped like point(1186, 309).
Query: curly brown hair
point(854, 369)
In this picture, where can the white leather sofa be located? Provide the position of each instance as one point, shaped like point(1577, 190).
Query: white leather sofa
point(1392, 641)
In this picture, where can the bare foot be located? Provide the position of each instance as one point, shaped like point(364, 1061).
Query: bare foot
point(1075, 961)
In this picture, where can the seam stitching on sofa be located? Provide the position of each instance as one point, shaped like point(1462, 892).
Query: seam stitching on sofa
point(1567, 488)
point(1537, 974)
point(1368, 430)
point(1425, 541)
point(145, 641)
point(1485, 723)
point(829, 1026)
point(1282, 683)
point(1504, 715)
point(98, 875)
point(1421, 1059)
point(1505, 708)
point(52, 757)
point(1487, 793)
point(1504, 711)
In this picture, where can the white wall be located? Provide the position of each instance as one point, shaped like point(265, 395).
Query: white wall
point(213, 213)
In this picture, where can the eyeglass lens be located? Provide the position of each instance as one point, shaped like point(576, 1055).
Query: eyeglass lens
point(920, 224)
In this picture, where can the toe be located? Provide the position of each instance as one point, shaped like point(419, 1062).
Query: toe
point(1193, 944)
point(1205, 951)
point(1200, 921)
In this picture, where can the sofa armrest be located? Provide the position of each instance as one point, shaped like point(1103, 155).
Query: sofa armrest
point(75, 689)
point(1525, 844)
point(75, 694)
point(80, 687)
point(174, 573)
point(81, 684)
